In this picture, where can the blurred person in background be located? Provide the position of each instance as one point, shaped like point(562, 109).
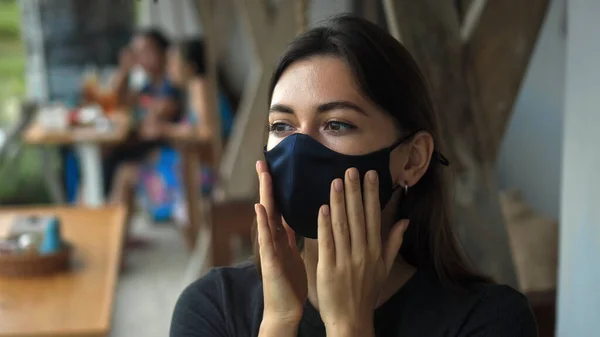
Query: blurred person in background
point(353, 158)
point(187, 70)
point(160, 175)
point(142, 86)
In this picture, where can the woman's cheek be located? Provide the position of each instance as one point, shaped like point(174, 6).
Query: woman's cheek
point(272, 142)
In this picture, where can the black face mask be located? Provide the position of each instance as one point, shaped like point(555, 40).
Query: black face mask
point(303, 169)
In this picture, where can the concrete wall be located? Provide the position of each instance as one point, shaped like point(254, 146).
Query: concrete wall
point(579, 292)
point(530, 156)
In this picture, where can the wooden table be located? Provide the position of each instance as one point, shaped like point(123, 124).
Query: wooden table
point(87, 141)
point(74, 303)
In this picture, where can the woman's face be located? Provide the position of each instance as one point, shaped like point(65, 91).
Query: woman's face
point(319, 97)
point(148, 55)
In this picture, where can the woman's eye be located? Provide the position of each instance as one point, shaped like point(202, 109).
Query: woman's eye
point(338, 126)
point(279, 127)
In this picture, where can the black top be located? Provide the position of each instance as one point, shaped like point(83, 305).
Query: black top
point(229, 302)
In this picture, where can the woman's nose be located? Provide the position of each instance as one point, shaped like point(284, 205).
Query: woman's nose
point(309, 129)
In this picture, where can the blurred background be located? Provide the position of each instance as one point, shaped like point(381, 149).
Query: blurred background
point(522, 149)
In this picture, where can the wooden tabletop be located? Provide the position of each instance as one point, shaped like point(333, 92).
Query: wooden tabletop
point(74, 303)
point(37, 135)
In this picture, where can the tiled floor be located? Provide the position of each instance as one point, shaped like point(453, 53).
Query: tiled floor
point(149, 287)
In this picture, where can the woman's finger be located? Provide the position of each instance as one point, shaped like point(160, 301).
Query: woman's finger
point(266, 199)
point(291, 236)
point(372, 212)
point(355, 212)
point(325, 237)
point(393, 244)
point(339, 222)
point(265, 242)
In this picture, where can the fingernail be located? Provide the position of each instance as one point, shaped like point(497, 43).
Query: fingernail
point(325, 210)
point(337, 185)
point(256, 208)
point(257, 164)
point(353, 174)
point(372, 176)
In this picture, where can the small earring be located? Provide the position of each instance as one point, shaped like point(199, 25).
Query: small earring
point(405, 188)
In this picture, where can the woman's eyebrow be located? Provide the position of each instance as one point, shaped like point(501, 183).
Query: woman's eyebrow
point(340, 105)
point(281, 108)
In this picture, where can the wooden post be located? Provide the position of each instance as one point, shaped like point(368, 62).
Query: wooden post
point(268, 35)
point(499, 51)
point(205, 9)
point(219, 221)
point(459, 72)
point(200, 224)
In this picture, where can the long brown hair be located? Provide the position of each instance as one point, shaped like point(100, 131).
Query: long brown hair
point(388, 75)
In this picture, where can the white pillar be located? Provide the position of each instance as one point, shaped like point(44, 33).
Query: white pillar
point(579, 273)
point(91, 172)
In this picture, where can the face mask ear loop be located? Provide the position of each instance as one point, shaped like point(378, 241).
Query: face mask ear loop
point(404, 189)
point(402, 140)
point(436, 154)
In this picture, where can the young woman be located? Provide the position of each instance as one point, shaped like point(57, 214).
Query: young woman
point(353, 158)
point(187, 69)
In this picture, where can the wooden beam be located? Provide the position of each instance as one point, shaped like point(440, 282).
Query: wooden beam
point(471, 18)
point(392, 19)
point(205, 10)
point(499, 51)
point(431, 31)
point(199, 226)
point(369, 10)
point(269, 36)
point(462, 7)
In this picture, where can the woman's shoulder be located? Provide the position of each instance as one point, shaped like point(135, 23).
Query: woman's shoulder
point(500, 310)
point(494, 296)
point(469, 308)
point(238, 278)
point(208, 306)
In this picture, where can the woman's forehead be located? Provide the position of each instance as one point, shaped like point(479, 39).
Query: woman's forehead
point(324, 78)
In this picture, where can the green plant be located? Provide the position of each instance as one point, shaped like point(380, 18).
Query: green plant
point(21, 180)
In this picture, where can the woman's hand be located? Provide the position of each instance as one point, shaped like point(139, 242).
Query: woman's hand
point(353, 265)
point(151, 128)
point(283, 273)
point(180, 131)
